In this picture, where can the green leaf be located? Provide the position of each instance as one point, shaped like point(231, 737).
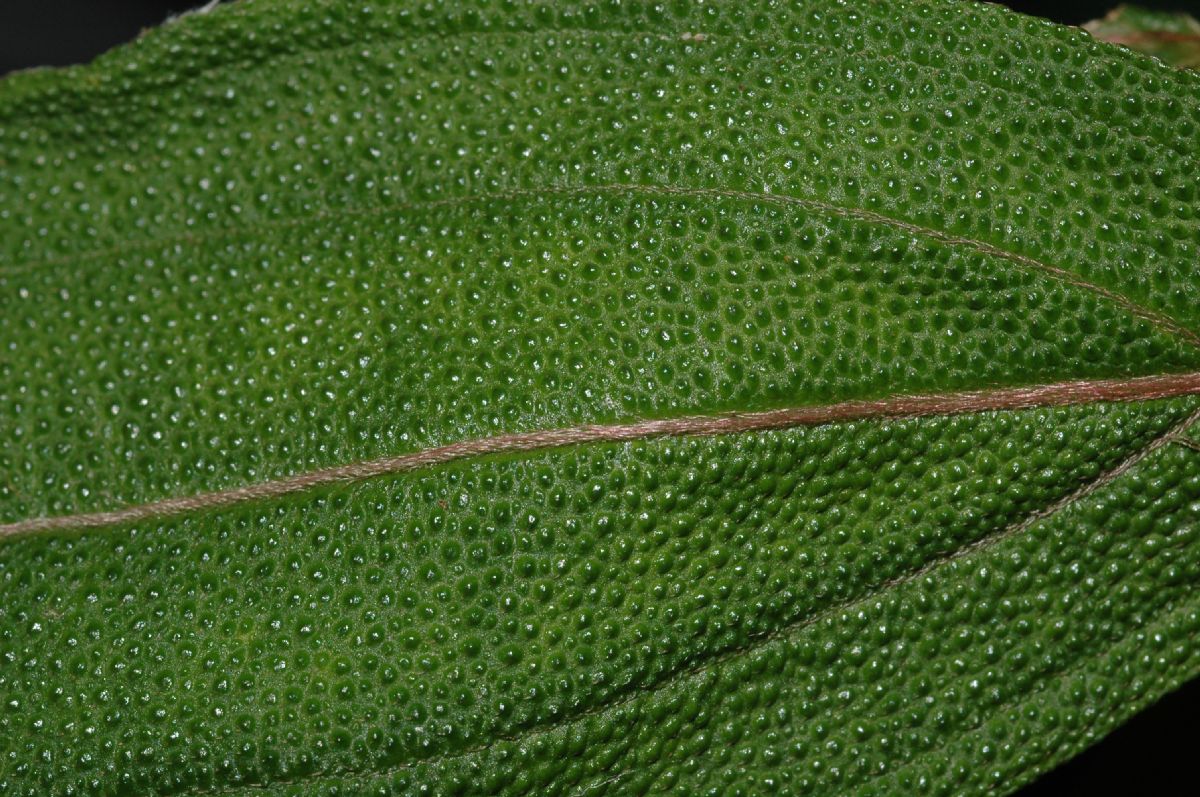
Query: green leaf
point(573, 398)
point(1172, 37)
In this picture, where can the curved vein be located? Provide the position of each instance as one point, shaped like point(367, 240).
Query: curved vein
point(1158, 319)
point(1143, 388)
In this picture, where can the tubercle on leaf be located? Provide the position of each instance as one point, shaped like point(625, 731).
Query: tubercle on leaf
point(556, 397)
point(1157, 318)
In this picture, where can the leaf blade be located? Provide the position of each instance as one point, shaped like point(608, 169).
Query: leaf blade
point(812, 205)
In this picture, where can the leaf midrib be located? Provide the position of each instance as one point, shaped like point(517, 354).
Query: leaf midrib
point(1059, 394)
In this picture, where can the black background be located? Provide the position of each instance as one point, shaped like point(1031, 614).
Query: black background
point(57, 32)
point(1151, 754)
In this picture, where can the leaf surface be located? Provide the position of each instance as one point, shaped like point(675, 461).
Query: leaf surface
point(590, 399)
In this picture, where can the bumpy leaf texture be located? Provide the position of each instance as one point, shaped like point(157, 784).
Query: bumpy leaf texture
point(594, 398)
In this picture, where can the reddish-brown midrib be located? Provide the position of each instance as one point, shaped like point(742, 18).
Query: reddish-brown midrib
point(1059, 394)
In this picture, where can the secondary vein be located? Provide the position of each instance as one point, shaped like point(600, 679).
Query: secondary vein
point(1154, 317)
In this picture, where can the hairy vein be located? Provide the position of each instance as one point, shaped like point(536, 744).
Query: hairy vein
point(1057, 272)
point(1154, 317)
point(757, 641)
point(1142, 388)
